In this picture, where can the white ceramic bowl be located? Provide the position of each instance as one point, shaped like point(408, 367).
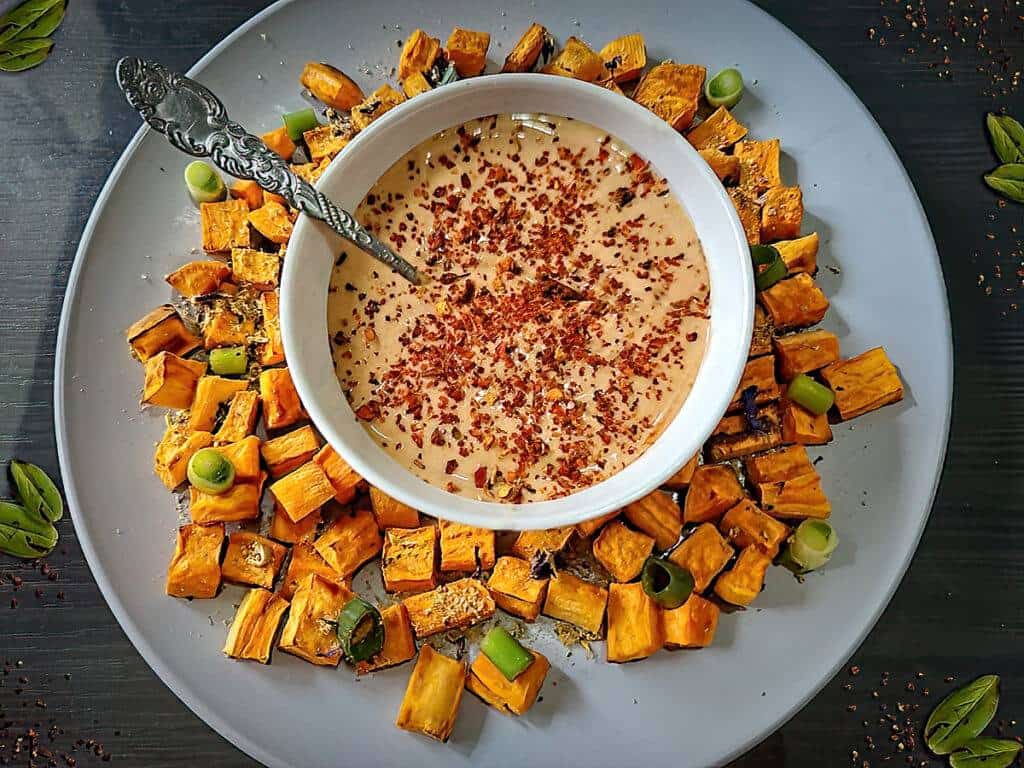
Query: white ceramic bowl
point(313, 247)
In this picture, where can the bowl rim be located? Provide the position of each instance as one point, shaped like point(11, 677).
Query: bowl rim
point(613, 492)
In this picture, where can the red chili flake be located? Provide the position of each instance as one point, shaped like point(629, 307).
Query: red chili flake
point(691, 336)
point(450, 466)
point(464, 180)
point(368, 411)
point(480, 477)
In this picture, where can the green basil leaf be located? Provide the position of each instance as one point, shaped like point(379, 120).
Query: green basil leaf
point(28, 494)
point(16, 516)
point(23, 16)
point(1005, 147)
point(985, 753)
point(52, 507)
point(19, 55)
point(962, 715)
point(1013, 129)
point(1008, 180)
point(25, 544)
point(46, 24)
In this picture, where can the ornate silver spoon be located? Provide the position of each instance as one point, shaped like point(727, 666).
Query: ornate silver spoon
point(195, 121)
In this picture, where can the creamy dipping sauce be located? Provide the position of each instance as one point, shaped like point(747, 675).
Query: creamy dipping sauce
point(562, 318)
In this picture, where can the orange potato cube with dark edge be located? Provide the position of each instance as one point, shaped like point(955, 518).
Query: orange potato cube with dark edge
point(399, 645)
point(272, 221)
point(252, 631)
point(719, 130)
point(252, 559)
point(657, 515)
point(588, 528)
point(759, 373)
point(578, 61)
point(198, 278)
point(759, 164)
point(303, 491)
point(713, 490)
point(418, 54)
point(782, 211)
point(256, 268)
point(384, 99)
point(704, 553)
point(634, 623)
point(244, 456)
point(467, 50)
point(249, 191)
point(431, 701)
point(281, 404)
point(528, 543)
point(525, 53)
point(329, 84)
point(306, 561)
point(726, 167)
point(863, 383)
point(691, 625)
point(195, 567)
point(225, 225)
point(171, 380)
point(343, 478)
point(409, 559)
point(680, 481)
point(223, 328)
point(162, 330)
point(794, 302)
point(625, 57)
point(801, 426)
point(749, 211)
point(744, 581)
point(672, 92)
point(391, 513)
point(622, 551)
point(799, 498)
point(800, 254)
point(507, 696)
point(416, 84)
point(514, 590)
point(283, 529)
point(309, 632)
point(761, 338)
point(279, 141)
point(783, 464)
point(805, 352)
point(170, 462)
point(326, 141)
point(350, 541)
point(736, 446)
point(241, 502)
point(290, 451)
point(240, 420)
point(456, 605)
point(465, 547)
point(745, 525)
point(271, 351)
point(575, 601)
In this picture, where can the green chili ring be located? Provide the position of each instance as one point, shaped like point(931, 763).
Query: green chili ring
point(360, 630)
point(229, 361)
point(204, 184)
point(812, 544)
point(665, 582)
point(775, 268)
point(506, 653)
point(210, 471)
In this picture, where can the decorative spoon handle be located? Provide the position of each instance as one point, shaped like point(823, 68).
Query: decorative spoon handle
point(195, 121)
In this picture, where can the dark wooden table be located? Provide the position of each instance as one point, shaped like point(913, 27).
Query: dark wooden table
point(62, 127)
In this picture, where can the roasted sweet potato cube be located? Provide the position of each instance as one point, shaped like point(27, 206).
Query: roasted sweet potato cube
point(289, 451)
point(376, 104)
point(241, 502)
point(350, 541)
point(782, 212)
point(211, 393)
point(794, 302)
point(524, 55)
point(588, 528)
point(761, 338)
point(225, 225)
point(399, 645)
point(465, 547)
point(625, 57)
point(657, 515)
point(634, 623)
point(311, 171)
point(224, 328)
point(801, 254)
point(745, 525)
point(249, 191)
point(244, 456)
point(713, 490)
point(240, 420)
point(578, 61)
point(515, 696)
point(691, 625)
point(528, 543)
point(162, 330)
point(303, 491)
point(195, 567)
point(704, 553)
point(798, 498)
point(256, 268)
point(576, 601)
point(171, 380)
point(672, 91)
point(309, 632)
point(431, 701)
point(622, 551)
point(279, 141)
point(271, 351)
point(391, 513)
point(801, 426)
point(514, 590)
point(326, 140)
point(783, 464)
point(283, 529)
point(418, 54)
point(467, 50)
point(456, 605)
point(680, 481)
point(198, 278)
point(409, 560)
point(738, 424)
point(720, 130)
point(272, 221)
point(759, 164)
point(759, 373)
point(749, 211)
point(416, 84)
point(863, 383)
point(252, 631)
point(252, 559)
point(744, 581)
point(726, 167)
point(170, 462)
point(281, 404)
point(804, 352)
point(343, 478)
point(304, 562)
point(329, 84)
point(726, 447)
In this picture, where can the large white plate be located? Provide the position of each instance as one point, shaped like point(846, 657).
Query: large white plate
point(702, 708)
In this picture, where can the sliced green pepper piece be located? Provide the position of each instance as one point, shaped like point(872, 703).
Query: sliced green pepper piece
point(360, 630)
point(297, 123)
point(769, 267)
point(665, 582)
point(506, 653)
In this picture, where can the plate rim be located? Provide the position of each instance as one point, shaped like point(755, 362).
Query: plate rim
point(183, 691)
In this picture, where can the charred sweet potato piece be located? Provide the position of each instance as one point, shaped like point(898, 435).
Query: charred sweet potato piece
point(588, 528)
point(761, 338)
point(622, 551)
point(416, 84)
point(726, 167)
point(171, 380)
point(289, 451)
point(399, 645)
point(508, 696)
point(625, 57)
point(524, 55)
point(211, 393)
point(704, 553)
point(801, 254)
point(281, 404)
point(283, 529)
point(720, 130)
point(240, 420)
point(249, 191)
point(252, 631)
point(634, 623)
point(326, 141)
point(162, 330)
point(409, 560)
point(745, 525)
point(224, 328)
point(577, 60)
point(759, 373)
point(343, 478)
point(252, 559)
point(391, 513)
point(801, 426)
point(691, 625)
point(256, 268)
point(465, 547)
point(680, 481)
point(225, 225)
point(467, 50)
point(739, 424)
point(783, 464)
point(195, 567)
point(749, 211)
point(306, 561)
point(672, 91)
point(309, 632)
point(240, 503)
point(431, 701)
point(528, 543)
point(271, 351)
point(272, 221)
point(798, 498)
point(782, 212)
point(726, 447)
point(759, 164)
point(514, 590)
point(350, 541)
point(198, 278)
point(863, 383)
point(418, 54)
point(376, 104)
point(743, 582)
point(303, 491)
point(804, 352)
point(794, 302)
point(170, 463)
point(657, 515)
point(456, 605)
point(279, 141)
point(713, 490)
point(576, 601)
point(332, 86)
